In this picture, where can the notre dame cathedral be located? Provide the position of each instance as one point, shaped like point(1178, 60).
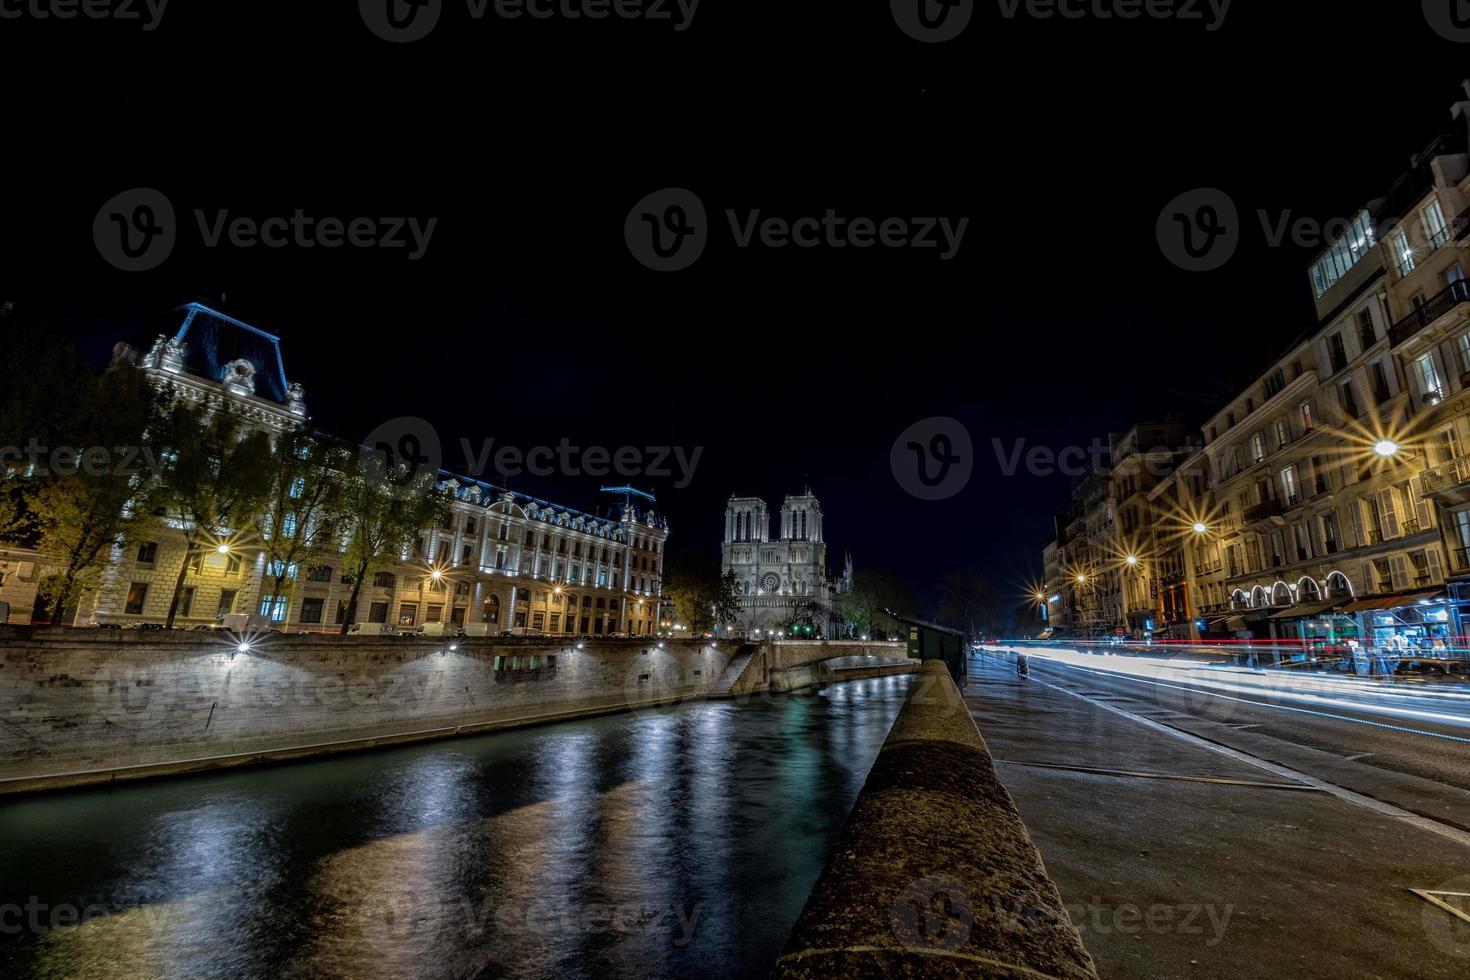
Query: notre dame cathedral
point(783, 582)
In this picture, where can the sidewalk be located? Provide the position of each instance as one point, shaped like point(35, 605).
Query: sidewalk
point(1178, 861)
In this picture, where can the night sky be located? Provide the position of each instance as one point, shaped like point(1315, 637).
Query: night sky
point(528, 320)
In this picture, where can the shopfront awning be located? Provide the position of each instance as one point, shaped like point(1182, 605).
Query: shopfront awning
point(1307, 610)
point(1396, 601)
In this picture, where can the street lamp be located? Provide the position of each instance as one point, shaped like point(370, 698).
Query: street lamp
point(1132, 559)
point(1387, 448)
point(1200, 527)
point(223, 549)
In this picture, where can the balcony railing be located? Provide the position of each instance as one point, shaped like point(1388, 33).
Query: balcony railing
point(1263, 511)
point(1446, 475)
point(1461, 558)
point(1437, 306)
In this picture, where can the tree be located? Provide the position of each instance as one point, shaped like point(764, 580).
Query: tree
point(38, 410)
point(383, 519)
point(101, 496)
point(216, 477)
point(702, 597)
point(298, 526)
point(873, 591)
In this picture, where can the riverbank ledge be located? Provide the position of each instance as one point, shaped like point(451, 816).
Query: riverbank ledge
point(935, 874)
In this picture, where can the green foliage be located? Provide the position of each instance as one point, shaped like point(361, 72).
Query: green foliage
point(216, 478)
point(305, 514)
point(873, 591)
point(384, 520)
point(80, 506)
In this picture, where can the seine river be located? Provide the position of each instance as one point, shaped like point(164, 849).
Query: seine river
point(680, 843)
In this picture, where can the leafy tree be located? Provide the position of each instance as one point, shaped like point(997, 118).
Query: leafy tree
point(216, 477)
point(383, 518)
point(298, 526)
point(702, 597)
point(84, 504)
point(38, 410)
point(873, 591)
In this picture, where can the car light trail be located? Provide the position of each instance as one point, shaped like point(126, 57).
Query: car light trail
point(1237, 684)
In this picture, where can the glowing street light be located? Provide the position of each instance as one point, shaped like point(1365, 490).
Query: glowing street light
point(1387, 448)
point(1132, 559)
point(1200, 527)
point(223, 549)
point(1082, 580)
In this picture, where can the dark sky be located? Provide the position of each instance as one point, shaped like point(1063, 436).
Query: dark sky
point(528, 320)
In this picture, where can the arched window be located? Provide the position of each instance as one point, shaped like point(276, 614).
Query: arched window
point(491, 612)
point(1281, 594)
point(1258, 597)
point(1307, 590)
point(385, 580)
point(1338, 586)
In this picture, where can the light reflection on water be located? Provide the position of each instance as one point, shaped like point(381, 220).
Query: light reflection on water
point(674, 843)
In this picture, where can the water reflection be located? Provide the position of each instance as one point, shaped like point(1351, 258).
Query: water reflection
point(673, 843)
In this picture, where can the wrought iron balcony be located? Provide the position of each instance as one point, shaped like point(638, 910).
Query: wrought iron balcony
point(1267, 510)
point(1449, 482)
point(1437, 306)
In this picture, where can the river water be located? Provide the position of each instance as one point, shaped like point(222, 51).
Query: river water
point(672, 843)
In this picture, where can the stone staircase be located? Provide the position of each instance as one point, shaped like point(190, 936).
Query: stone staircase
point(738, 663)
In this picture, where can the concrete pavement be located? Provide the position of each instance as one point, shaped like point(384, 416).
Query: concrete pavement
point(1176, 860)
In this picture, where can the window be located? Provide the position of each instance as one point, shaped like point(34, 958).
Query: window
point(1283, 433)
point(137, 595)
point(1435, 232)
point(1336, 353)
point(384, 580)
point(274, 607)
point(311, 609)
point(148, 552)
point(1345, 253)
point(1289, 488)
point(1303, 541)
point(408, 614)
point(319, 573)
point(226, 604)
point(1403, 253)
point(1366, 334)
point(1463, 346)
point(1308, 415)
point(232, 565)
point(1323, 477)
point(555, 623)
point(341, 612)
point(298, 487)
point(1429, 380)
point(1378, 378)
point(378, 612)
point(1330, 544)
point(538, 621)
point(434, 614)
point(1349, 402)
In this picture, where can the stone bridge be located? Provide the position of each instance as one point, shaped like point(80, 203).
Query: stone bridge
point(782, 665)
